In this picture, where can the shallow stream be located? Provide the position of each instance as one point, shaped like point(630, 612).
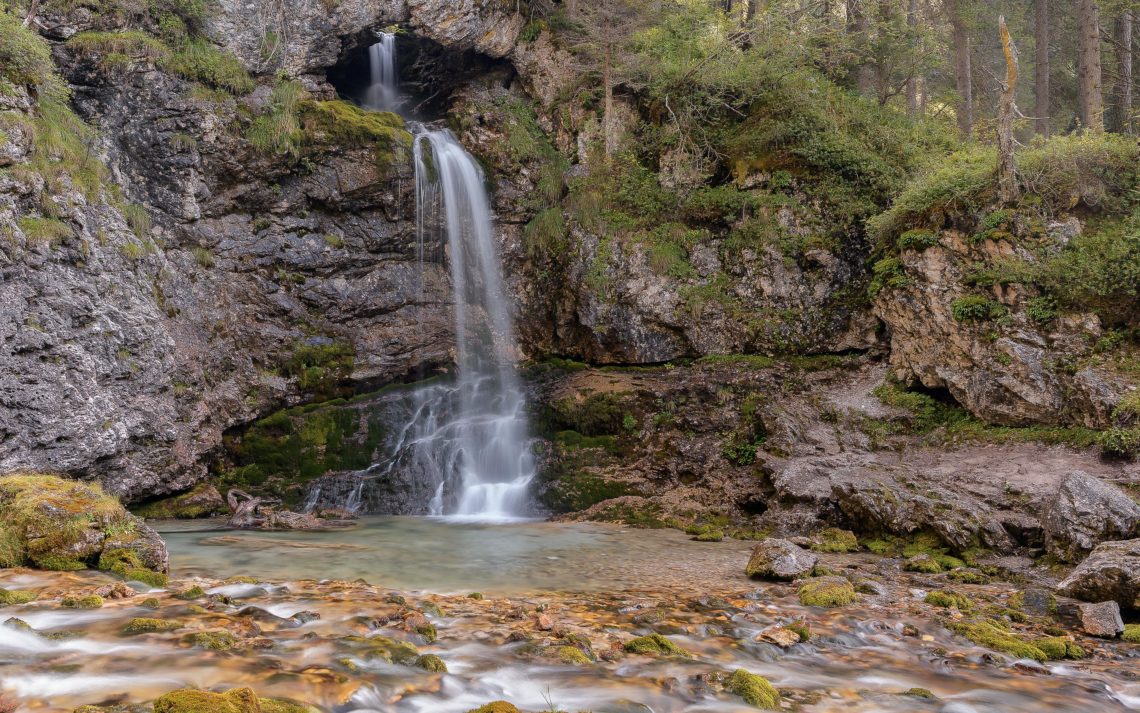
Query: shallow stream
point(545, 586)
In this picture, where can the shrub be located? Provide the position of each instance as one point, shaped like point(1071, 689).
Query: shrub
point(975, 308)
point(1100, 270)
point(887, 274)
point(1041, 309)
point(918, 239)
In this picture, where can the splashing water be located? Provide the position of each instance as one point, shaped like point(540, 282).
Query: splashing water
point(382, 92)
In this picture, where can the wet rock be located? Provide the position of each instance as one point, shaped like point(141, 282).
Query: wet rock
point(237, 700)
point(1101, 619)
point(779, 560)
point(1086, 512)
point(544, 622)
point(1034, 601)
point(779, 635)
point(1111, 572)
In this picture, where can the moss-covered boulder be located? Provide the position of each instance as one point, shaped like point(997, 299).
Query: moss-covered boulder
point(654, 644)
point(754, 689)
point(827, 592)
point(50, 522)
point(10, 597)
point(237, 700)
point(383, 648)
point(148, 625)
point(203, 500)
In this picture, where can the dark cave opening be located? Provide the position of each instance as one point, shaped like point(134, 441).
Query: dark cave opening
point(428, 73)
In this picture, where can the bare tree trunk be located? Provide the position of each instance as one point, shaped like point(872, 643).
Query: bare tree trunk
point(1041, 98)
point(962, 69)
point(912, 82)
point(752, 10)
point(857, 29)
point(1122, 96)
point(1090, 93)
point(33, 10)
point(1007, 110)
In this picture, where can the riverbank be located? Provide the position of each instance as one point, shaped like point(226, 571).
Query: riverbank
point(350, 644)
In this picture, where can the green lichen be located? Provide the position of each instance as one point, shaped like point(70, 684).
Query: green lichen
point(949, 600)
point(145, 625)
point(754, 689)
point(992, 635)
point(834, 539)
point(654, 644)
point(827, 592)
point(431, 662)
point(10, 597)
point(90, 601)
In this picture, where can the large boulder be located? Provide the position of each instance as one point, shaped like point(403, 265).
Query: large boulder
point(1111, 572)
point(1086, 512)
point(779, 559)
point(50, 522)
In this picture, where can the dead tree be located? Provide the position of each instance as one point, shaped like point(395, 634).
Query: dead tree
point(1007, 111)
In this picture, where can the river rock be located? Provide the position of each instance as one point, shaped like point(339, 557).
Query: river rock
point(1112, 571)
point(780, 636)
point(1101, 619)
point(1085, 512)
point(779, 559)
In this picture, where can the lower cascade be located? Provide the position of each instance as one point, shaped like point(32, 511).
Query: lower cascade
point(469, 437)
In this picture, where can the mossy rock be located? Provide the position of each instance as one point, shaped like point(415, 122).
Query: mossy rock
point(1059, 647)
point(923, 563)
point(129, 565)
point(827, 592)
point(384, 648)
point(90, 601)
point(237, 700)
point(10, 597)
point(147, 625)
point(655, 645)
point(949, 600)
point(55, 523)
point(1131, 633)
point(571, 655)
point(203, 500)
point(190, 594)
point(495, 707)
point(431, 662)
point(919, 693)
point(994, 635)
point(212, 640)
point(754, 689)
point(834, 539)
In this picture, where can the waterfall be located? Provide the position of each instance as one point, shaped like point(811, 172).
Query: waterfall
point(382, 91)
point(473, 435)
point(462, 449)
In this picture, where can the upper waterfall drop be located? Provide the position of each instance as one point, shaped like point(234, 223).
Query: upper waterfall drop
point(383, 87)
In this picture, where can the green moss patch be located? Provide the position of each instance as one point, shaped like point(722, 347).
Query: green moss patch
point(754, 689)
point(11, 597)
point(827, 592)
point(993, 635)
point(949, 600)
point(834, 539)
point(654, 645)
point(145, 625)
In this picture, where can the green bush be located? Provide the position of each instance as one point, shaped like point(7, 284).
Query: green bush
point(975, 308)
point(887, 274)
point(917, 239)
point(1100, 270)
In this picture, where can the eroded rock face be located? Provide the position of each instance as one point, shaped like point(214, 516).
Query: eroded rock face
point(307, 37)
point(1009, 375)
point(1111, 572)
point(1086, 512)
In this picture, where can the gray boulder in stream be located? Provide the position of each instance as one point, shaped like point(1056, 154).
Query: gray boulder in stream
point(1086, 512)
point(779, 559)
point(1111, 572)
